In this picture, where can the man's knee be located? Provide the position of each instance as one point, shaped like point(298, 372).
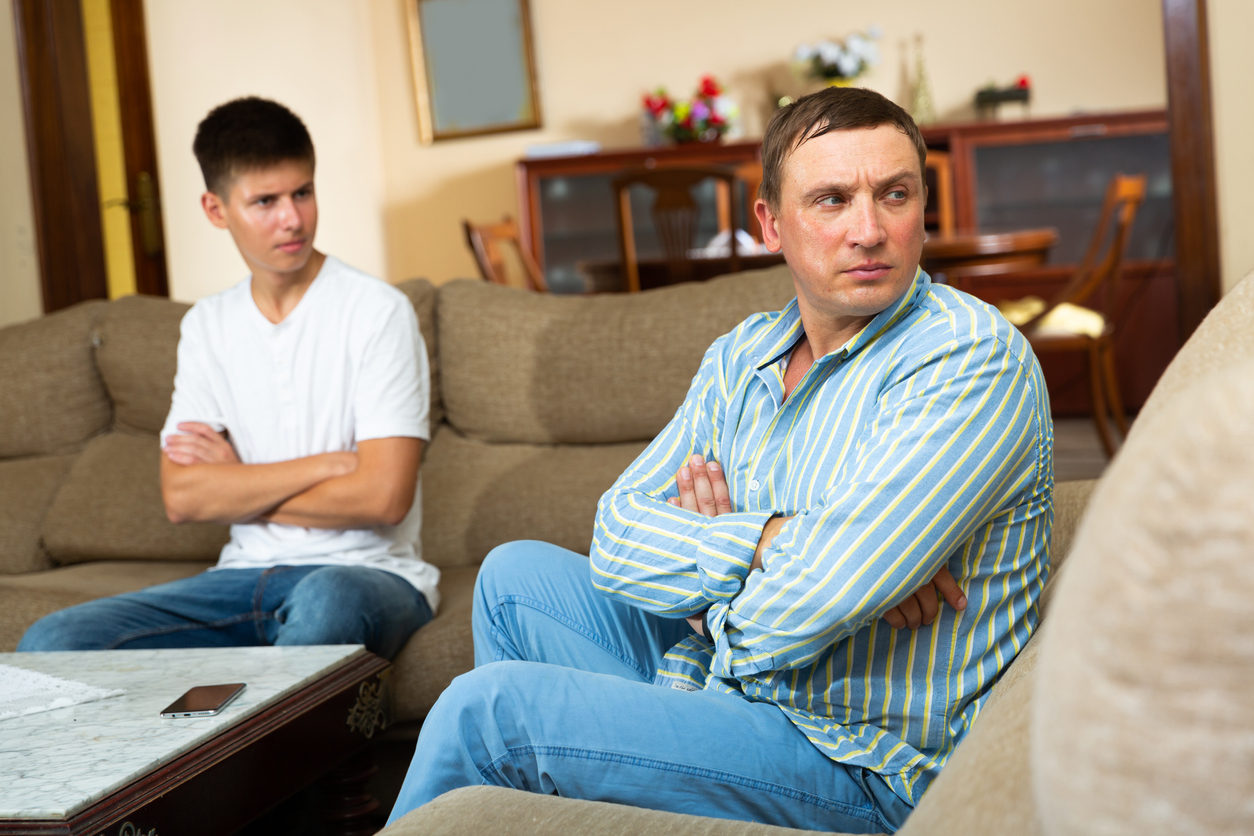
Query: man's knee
point(510, 568)
point(482, 695)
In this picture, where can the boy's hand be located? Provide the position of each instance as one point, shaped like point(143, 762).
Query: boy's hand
point(199, 444)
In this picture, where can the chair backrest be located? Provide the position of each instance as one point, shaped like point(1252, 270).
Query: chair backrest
point(1100, 267)
point(486, 240)
point(942, 176)
point(750, 174)
point(675, 215)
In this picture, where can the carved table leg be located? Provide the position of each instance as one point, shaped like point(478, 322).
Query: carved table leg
point(347, 804)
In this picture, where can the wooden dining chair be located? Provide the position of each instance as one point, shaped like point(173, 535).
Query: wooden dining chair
point(1080, 318)
point(939, 173)
point(675, 214)
point(486, 241)
point(750, 174)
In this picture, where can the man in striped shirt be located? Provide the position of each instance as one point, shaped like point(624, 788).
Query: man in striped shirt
point(773, 558)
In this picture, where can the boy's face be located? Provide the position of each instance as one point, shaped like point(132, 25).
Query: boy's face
point(271, 213)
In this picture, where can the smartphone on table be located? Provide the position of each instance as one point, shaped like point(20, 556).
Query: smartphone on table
point(203, 701)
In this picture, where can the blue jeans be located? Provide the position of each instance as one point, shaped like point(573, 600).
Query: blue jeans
point(281, 605)
point(562, 702)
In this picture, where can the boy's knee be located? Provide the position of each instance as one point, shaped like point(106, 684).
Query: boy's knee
point(56, 631)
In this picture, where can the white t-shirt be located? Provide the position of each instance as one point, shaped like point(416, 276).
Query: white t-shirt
point(348, 364)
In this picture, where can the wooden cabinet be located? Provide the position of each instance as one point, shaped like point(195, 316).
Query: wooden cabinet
point(566, 205)
point(1053, 173)
point(1006, 176)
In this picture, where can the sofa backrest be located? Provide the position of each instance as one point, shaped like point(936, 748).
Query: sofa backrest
point(52, 402)
point(533, 368)
point(549, 399)
point(1225, 337)
point(86, 391)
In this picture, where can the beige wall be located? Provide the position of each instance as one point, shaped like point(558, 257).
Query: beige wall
point(596, 58)
point(20, 294)
point(312, 55)
point(1232, 82)
point(393, 206)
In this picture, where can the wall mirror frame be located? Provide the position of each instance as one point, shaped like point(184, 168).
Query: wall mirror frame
point(474, 67)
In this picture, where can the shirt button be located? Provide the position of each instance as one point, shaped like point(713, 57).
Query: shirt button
point(754, 484)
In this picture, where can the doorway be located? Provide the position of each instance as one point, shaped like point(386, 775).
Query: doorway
point(92, 149)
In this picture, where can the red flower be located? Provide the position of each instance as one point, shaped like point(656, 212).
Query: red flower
point(709, 87)
point(1023, 82)
point(656, 103)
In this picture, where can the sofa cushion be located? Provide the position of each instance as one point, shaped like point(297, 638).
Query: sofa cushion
point(442, 649)
point(473, 811)
point(137, 355)
point(422, 295)
point(110, 508)
point(539, 368)
point(53, 397)
point(27, 487)
point(1144, 719)
point(1070, 501)
point(24, 599)
point(477, 495)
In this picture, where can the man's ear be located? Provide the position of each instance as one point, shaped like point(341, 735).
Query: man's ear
point(766, 220)
point(215, 209)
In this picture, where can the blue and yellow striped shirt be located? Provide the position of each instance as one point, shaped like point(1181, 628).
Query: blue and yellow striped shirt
point(925, 441)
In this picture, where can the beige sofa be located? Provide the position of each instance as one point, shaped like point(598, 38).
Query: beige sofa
point(538, 403)
point(1131, 711)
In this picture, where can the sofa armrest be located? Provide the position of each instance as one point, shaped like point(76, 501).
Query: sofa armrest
point(473, 811)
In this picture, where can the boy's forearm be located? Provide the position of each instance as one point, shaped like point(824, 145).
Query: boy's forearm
point(379, 492)
point(233, 493)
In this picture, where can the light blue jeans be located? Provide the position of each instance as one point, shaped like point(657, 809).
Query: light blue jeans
point(561, 702)
point(281, 605)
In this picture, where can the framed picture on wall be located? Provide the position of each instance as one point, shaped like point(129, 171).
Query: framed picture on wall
point(474, 67)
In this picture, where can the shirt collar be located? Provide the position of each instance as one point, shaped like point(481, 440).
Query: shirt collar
point(781, 337)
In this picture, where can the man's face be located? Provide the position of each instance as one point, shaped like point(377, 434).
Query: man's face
point(272, 215)
point(850, 221)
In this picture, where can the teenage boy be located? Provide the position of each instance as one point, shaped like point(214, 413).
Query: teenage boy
point(772, 559)
point(299, 416)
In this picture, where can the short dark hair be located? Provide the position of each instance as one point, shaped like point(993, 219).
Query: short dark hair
point(246, 134)
point(830, 109)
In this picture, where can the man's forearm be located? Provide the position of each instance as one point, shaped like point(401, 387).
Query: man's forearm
point(233, 493)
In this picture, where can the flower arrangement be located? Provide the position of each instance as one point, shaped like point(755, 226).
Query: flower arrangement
point(834, 62)
point(706, 118)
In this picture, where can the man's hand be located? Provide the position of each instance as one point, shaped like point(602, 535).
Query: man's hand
point(921, 607)
point(702, 488)
point(199, 444)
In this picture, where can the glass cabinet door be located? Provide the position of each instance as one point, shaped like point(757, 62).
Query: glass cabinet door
point(580, 226)
point(1062, 184)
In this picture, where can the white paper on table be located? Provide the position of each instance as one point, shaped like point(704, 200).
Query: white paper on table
point(25, 692)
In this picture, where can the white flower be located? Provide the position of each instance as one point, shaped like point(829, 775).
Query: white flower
point(725, 107)
point(848, 65)
point(871, 54)
point(855, 44)
point(829, 53)
point(803, 54)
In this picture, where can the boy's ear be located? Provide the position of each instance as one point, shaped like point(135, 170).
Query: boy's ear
point(215, 209)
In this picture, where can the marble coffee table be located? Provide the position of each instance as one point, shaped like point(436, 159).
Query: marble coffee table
point(115, 767)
